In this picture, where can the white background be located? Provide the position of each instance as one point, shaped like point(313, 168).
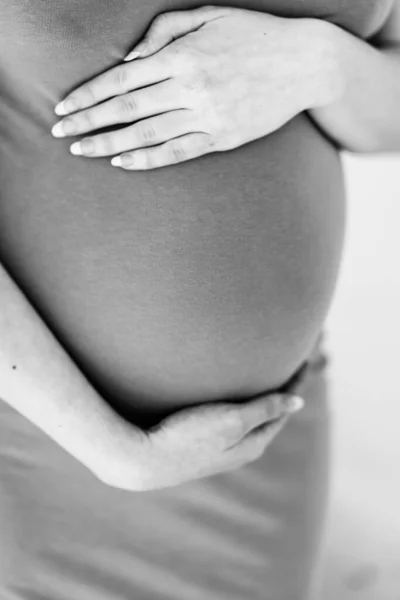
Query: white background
point(362, 554)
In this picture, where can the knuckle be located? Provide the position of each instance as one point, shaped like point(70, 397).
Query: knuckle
point(178, 153)
point(127, 104)
point(161, 19)
point(120, 78)
point(90, 94)
point(163, 61)
point(107, 142)
point(183, 59)
point(150, 162)
point(89, 120)
point(189, 59)
point(147, 134)
point(198, 80)
point(202, 78)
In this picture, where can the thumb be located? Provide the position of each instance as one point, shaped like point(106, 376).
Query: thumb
point(169, 26)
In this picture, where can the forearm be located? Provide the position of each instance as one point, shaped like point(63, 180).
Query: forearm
point(365, 116)
point(39, 380)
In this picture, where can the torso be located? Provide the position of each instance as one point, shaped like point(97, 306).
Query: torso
point(161, 283)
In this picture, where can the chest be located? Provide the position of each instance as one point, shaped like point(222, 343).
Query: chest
point(78, 23)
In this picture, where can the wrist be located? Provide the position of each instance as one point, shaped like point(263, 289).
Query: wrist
point(321, 72)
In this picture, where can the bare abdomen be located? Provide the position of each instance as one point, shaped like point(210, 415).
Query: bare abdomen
point(201, 281)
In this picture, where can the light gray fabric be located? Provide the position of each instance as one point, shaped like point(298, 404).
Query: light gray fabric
point(250, 534)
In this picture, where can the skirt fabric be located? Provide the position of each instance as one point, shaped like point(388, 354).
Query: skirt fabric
point(250, 534)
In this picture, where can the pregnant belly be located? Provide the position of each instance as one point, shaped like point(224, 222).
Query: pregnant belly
point(183, 284)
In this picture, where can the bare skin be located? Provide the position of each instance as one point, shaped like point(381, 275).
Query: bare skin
point(358, 122)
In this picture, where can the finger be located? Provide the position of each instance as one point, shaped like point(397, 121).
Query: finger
point(147, 132)
point(264, 435)
point(255, 443)
point(129, 107)
point(257, 412)
point(169, 26)
point(265, 409)
point(174, 151)
point(296, 381)
point(115, 82)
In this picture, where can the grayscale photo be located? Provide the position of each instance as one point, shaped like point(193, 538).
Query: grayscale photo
point(199, 292)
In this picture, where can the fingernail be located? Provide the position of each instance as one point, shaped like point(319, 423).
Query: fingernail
point(69, 126)
point(75, 148)
point(63, 128)
point(67, 106)
point(59, 109)
point(116, 161)
point(132, 55)
point(57, 130)
point(87, 146)
point(126, 160)
point(293, 403)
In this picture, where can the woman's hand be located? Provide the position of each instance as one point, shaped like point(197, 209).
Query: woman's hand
point(208, 80)
point(200, 441)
